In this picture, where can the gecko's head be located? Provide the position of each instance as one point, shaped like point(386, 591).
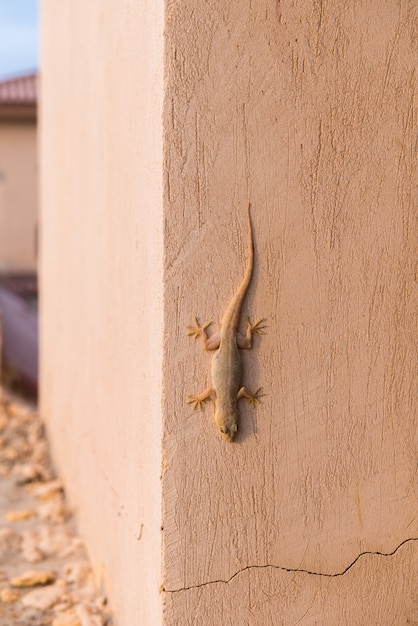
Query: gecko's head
point(227, 423)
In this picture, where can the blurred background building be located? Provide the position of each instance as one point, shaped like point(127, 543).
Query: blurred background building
point(19, 228)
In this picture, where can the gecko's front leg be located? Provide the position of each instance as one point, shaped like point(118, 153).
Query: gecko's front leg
point(199, 401)
point(251, 398)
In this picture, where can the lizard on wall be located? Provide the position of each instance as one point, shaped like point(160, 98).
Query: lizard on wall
point(226, 369)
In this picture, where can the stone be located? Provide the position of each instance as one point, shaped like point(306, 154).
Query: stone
point(19, 516)
point(40, 532)
point(11, 454)
point(78, 573)
point(33, 579)
point(18, 409)
point(69, 618)
point(32, 555)
point(88, 616)
point(27, 473)
point(46, 598)
point(46, 490)
point(53, 509)
point(76, 545)
point(10, 540)
point(54, 539)
point(9, 596)
point(84, 594)
point(101, 602)
point(30, 548)
point(64, 604)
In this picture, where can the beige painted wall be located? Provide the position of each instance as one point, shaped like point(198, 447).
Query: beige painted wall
point(304, 109)
point(18, 196)
point(101, 282)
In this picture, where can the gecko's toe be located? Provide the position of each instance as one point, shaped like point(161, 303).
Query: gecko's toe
point(252, 398)
point(197, 402)
point(196, 330)
point(258, 328)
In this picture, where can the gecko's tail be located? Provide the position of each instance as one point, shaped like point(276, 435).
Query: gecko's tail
point(250, 260)
point(232, 314)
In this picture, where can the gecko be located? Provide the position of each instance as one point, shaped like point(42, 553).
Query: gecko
point(226, 367)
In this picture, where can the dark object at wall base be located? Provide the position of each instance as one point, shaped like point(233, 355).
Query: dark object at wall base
point(18, 306)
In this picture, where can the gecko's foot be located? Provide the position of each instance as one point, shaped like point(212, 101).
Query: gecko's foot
point(197, 401)
point(251, 398)
point(196, 330)
point(258, 327)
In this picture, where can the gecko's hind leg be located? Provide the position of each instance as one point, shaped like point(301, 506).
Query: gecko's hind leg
point(199, 401)
point(251, 398)
point(208, 343)
point(245, 343)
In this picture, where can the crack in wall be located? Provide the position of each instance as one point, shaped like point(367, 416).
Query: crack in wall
point(292, 569)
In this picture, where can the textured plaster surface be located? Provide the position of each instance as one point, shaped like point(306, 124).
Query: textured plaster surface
point(377, 589)
point(304, 109)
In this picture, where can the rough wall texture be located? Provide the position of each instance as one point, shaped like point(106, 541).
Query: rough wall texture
point(18, 196)
point(101, 282)
point(304, 109)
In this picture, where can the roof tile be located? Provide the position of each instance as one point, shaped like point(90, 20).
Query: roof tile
point(19, 90)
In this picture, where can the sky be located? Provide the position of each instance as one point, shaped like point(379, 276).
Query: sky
point(18, 37)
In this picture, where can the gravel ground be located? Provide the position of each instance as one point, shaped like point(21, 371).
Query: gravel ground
point(45, 575)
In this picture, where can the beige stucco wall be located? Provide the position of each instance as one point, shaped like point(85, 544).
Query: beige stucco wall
point(101, 282)
point(18, 195)
point(304, 109)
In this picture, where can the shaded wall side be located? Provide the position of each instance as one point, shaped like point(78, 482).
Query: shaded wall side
point(18, 197)
point(306, 111)
point(101, 282)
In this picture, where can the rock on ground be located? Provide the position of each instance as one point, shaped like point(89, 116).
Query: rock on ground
point(45, 575)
